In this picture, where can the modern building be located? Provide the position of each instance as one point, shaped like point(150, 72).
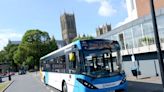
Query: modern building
point(103, 29)
point(140, 8)
point(137, 39)
point(68, 27)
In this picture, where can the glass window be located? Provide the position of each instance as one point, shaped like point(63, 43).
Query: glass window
point(148, 38)
point(100, 64)
point(160, 22)
point(121, 40)
point(114, 37)
point(137, 34)
point(128, 39)
point(58, 64)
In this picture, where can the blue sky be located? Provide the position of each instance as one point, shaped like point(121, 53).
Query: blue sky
point(17, 16)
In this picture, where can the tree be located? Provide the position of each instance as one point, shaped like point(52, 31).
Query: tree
point(6, 55)
point(2, 56)
point(35, 44)
point(83, 38)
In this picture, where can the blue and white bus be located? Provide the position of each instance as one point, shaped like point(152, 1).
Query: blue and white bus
point(85, 66)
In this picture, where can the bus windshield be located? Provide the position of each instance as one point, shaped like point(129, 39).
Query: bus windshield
point(101, 63)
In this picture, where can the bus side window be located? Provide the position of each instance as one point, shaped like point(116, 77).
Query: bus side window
point(44, 66)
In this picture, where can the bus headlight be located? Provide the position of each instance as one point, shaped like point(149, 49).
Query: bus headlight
point(86, 84)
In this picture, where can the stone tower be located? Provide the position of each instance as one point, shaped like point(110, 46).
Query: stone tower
point(68, 27)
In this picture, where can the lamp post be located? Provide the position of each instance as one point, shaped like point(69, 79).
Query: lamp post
point(159, 52)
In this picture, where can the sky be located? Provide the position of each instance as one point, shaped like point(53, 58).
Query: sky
point(18, 16)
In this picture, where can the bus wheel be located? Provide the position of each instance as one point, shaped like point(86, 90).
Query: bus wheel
point(64, 88)
point(45, 81)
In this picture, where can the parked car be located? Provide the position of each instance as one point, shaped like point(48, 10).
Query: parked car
point(20, 72)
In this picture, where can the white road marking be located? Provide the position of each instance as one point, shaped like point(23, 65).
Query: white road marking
point(51, 91)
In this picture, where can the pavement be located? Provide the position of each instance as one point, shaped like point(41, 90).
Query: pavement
point(8, 84)
point(152, 79)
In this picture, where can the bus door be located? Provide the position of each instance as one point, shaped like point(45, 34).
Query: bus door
point(72, 63)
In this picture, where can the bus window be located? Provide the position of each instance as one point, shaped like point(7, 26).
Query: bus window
point(59, 64)
point(47, 67)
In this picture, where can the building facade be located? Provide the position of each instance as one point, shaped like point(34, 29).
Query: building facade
point(143, 6)
point(140, 8)
point(103, 29)
point(137, 38)
point(68, 27)
point(132, 9)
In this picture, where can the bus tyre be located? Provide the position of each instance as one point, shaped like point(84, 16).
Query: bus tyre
point(64, 87)
point(45, 81)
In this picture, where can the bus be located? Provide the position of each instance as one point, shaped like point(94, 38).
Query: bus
point(85, 66)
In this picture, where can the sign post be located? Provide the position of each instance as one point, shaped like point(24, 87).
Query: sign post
point(159, 52)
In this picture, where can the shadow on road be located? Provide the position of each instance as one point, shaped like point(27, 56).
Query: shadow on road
point(143, 87)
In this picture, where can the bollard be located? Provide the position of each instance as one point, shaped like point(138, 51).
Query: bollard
point(0, 79)
point(9, 77)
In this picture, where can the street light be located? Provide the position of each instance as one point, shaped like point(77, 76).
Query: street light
point(159, 52)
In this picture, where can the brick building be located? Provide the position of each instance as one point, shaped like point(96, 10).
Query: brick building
point(140, 8)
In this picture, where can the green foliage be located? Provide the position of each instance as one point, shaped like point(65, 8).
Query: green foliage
point(146, 40)
point(2, 56)
point(35, 44)
point(83, 38)
point(29, 60)
point(6, 55)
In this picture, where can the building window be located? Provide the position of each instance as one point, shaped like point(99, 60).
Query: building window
point(137, 35)
point(160, 23)
point(114, 37)
point(128, 38)
point(148, 38)
point(121, 40)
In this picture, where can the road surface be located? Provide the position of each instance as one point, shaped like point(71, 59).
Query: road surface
point(28, 83)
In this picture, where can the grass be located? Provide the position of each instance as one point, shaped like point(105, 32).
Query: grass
point(3, 85)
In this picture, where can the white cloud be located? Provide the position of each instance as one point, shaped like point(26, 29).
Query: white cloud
point(8, 34)
point(106, 9)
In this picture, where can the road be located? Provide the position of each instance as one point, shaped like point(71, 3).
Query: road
point(28, 83)
point(31, 83)
point(143, 87)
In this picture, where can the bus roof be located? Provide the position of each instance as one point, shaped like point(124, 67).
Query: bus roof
point(62, 49)
point(77, 43)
